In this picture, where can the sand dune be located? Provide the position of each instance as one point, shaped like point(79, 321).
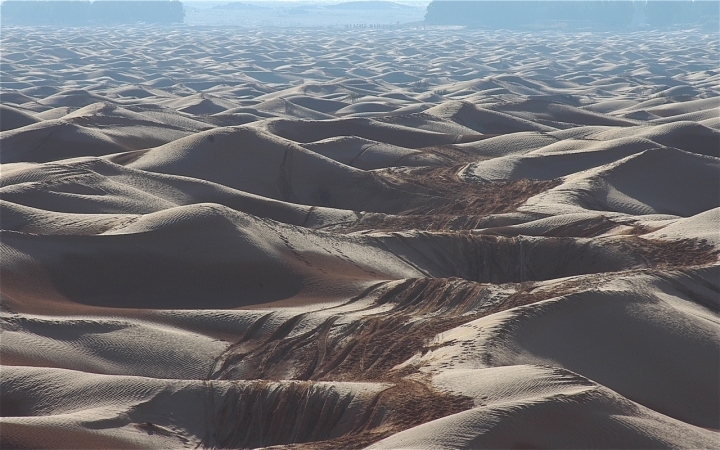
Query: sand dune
point(558, 159)
point(700, 226)
point(12, 118)
point(566, 332)
point(109, 346)
point(645, 183)
point(27, 219)
point(544, 111)
point(112, 130)
point(270, 166)
point(368, 155)
point(484, 120)
point(95, 185)
point(601, 418)
point(309, 131)
point(688, 136)
point(359, 238)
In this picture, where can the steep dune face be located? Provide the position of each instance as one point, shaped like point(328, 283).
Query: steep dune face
point(109, 346)
point(484, 120)
point(360, 238)
point(629, 316)
point(559, 159)
point(261, 163)
point(87, 186)
point(689, 136)
point(600, 418)
point(203, 253)
point(94, 130)
point(12, 118)
point(31, 143)
point(309, 131)
point(690, 397)
point(656, 181)
point(368, 155)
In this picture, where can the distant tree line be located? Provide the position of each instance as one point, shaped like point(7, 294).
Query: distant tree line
point(384, 26)
point(78, 13)
point(583, 14)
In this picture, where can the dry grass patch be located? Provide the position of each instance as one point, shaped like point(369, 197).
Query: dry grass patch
point(447, 202)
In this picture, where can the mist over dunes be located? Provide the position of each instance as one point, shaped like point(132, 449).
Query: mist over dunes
point(359, 238)
point(488, 14)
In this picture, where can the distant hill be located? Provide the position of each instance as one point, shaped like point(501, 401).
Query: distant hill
point(305, 13)
point(573, 14)
point(370, 4)
point(239, 6)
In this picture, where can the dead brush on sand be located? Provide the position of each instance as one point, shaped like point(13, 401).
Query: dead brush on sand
point(448, 203)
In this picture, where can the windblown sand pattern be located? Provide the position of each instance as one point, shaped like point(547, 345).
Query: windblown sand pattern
point(329, 239)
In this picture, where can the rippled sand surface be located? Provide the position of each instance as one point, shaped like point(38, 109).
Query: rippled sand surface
point(418, 238)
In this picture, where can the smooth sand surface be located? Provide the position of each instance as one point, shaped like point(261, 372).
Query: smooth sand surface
point(317, 238)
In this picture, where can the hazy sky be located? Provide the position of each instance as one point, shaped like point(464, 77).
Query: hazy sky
point(301, 1)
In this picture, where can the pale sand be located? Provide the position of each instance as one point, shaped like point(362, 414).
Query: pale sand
point(241, 238)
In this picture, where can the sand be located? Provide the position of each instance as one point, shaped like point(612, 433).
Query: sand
point(350, 238)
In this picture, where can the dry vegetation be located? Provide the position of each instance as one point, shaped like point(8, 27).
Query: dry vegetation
point(448, 203)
